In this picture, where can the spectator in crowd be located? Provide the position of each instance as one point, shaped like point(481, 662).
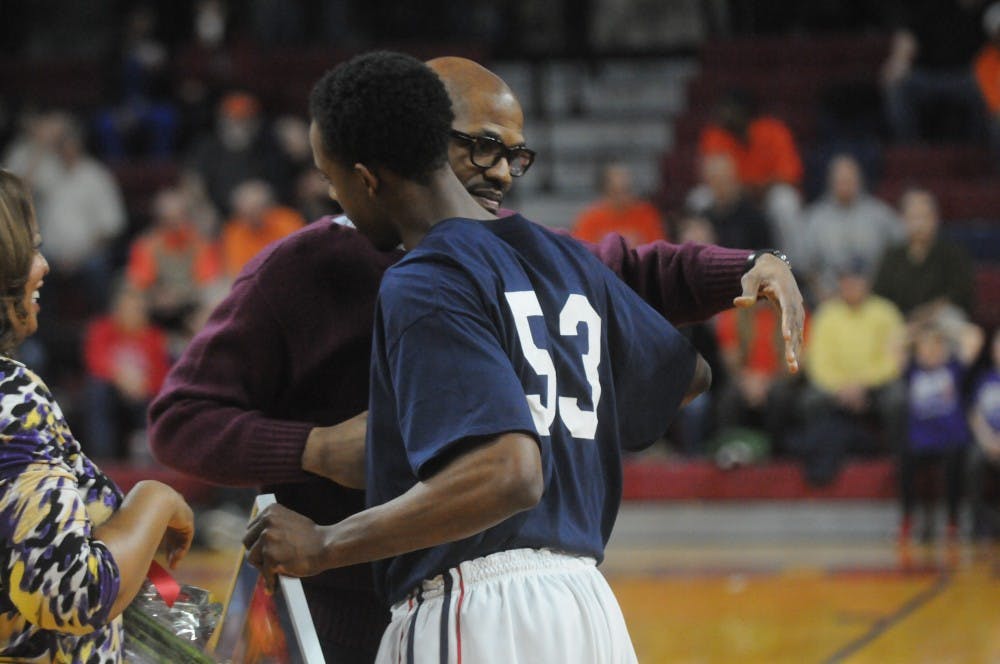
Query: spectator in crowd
point(767, 160)
point(32, 152)
point(620, 211)
point(937, 431)
point(203, 213)
point(80, 212)
point(847, 222)
point(172, 262)
point(925, 269)
point(142, 83)
point(126, 360)
point(292, 136)
point(987, 70)
point(854, 359)
point(738, 222)
point(984, 461)
point(758, 392)
point(240, 149)
point(929, 64)
point(257, 222)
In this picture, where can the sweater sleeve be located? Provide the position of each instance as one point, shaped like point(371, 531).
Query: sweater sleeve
point(207, 421)
point(686, 283)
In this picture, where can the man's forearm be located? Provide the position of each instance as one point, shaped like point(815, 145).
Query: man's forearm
point(338, 452)
point(228, 445)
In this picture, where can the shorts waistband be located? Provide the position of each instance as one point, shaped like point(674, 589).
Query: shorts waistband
point(497, 565)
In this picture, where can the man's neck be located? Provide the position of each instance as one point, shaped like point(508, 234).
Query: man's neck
point(426, 205)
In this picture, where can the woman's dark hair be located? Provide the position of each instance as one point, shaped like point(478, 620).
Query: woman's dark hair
point(17, 250)
point(384, 109)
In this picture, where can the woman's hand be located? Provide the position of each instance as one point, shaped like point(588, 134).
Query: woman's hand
point(179, 533)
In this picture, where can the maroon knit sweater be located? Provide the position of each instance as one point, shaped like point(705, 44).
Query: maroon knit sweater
point(289, 350)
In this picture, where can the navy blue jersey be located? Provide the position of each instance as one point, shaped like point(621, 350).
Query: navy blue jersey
point(494, 327)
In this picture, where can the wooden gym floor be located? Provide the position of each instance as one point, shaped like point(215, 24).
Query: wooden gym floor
point(781, 583)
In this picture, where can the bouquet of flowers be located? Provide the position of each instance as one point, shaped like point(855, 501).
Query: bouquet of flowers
point(156, 633)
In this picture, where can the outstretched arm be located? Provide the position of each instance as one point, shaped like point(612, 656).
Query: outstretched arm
point(688, 283)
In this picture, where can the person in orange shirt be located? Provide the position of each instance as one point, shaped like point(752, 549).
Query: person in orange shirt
point(762, 147)
point(766, 158)
point(987, 69)
point(172, 262)
point(127, 360)
point(619, 211)
point(257, 222)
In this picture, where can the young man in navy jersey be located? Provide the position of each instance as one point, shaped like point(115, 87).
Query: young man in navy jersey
point(509, 371)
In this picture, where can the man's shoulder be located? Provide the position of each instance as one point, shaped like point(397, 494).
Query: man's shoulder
point(322, 245)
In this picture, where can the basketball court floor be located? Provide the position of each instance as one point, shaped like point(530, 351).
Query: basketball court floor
point(781, 582)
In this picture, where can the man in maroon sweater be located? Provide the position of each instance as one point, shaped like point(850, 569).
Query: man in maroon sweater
point(269, 393)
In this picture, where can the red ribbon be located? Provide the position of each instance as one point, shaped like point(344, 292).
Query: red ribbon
point(165, 584)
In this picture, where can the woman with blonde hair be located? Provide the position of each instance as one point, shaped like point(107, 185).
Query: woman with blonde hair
point(73, 549)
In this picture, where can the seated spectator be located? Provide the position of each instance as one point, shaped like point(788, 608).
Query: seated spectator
point(172, 262)
point(847, 222)
point(291, 134)
point(142, 83)
point(695, 422)
point(126, 361)
point(32, 152)
point(758, 393)
point(925, 268)
point(767, 160)
point(722, 200)
point(619, 211)
point(81, 213)
point(240, 149)
point(984, 463)
point(853, 362)
point(929, 64)
point(257, 222)
point(937, 431)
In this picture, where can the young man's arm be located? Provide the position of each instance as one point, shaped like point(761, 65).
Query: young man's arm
point(475, 491)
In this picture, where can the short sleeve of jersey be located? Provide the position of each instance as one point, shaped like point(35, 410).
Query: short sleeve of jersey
point(451, 378)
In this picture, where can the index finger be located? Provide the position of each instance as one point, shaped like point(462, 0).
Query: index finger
point(792, 323)
point(254, 530)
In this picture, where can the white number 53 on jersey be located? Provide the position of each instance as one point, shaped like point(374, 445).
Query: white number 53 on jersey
point(580, 423)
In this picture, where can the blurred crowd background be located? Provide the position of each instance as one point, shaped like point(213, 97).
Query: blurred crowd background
point(167, 143)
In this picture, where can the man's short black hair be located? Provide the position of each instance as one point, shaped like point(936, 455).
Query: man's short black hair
point(384, 109)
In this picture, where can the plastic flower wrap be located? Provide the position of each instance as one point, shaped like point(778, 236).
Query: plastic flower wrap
point(159, 634)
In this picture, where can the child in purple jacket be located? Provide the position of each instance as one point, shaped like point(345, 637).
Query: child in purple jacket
point(937, 432)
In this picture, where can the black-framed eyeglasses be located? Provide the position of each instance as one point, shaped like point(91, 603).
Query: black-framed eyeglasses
point(486, 152)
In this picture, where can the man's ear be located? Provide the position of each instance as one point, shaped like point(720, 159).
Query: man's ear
point(368, 177)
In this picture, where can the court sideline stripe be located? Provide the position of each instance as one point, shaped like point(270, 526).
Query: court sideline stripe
point(882, 625)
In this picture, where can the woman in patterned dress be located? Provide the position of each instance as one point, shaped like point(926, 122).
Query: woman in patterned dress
point(73, 549)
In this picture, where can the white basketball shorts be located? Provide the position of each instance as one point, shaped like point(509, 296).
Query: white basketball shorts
point(524, 606)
